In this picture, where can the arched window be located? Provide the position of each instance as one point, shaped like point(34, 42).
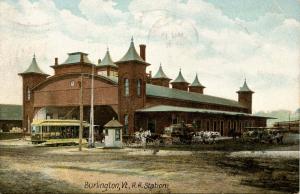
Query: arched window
point(126, 87)
point(138, 91)
point(28, 93)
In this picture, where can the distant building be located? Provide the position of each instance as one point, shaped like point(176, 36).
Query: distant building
point(293, 126)
point(10, 116)
point(125, 91)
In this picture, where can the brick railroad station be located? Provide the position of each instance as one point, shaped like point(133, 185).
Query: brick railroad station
point(124, 90)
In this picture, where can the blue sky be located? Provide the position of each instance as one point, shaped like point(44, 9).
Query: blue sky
point(223, 41)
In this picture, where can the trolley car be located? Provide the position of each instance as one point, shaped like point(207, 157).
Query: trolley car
point(54, 131)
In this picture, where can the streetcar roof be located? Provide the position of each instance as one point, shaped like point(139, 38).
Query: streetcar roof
point(59, 122)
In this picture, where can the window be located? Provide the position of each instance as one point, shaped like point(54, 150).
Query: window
point(106, 132)
point(126, 87)
point(139, 87)
point(118, 135)
point(72, 83)
point(28, 93)
point(126, 123)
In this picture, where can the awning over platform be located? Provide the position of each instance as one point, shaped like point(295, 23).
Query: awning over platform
point(57, 122)
point(166, 108)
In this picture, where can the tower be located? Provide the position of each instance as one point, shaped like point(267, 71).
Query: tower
point(245, 97)
point(160, 78)
point(132, 86)
point(180, 83)
point(107, 67)
point(196, 86)
point(31, 77)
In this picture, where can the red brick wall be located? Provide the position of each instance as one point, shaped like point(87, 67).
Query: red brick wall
point(160, 82)
point(245, 98)
point(29, 81)
point(204, 121)
point(180, 86)
point(196, 89)
point(72, 68)
point(128, 104)
point(59, 92)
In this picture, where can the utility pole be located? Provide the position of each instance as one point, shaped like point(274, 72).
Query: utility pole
point(81, 113)
point(91, 131)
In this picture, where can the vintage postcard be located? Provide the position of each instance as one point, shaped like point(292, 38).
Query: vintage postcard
point(149, 96)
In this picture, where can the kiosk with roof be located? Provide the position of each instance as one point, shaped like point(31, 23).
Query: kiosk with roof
point(113, 134)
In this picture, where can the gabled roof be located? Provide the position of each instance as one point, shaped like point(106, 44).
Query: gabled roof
point(33, 68)
point(11, 112)
point(107, 61)
point(75, 58)
point(131, 54)
point(179, 78)
point(245, 88)
point(160, 74)
point(196, 83)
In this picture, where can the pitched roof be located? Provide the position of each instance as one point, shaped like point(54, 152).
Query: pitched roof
point(197, 83)
point(160, 74)
point(107, 61)
point(113, 124)
point(10, 112)
point(131, 54)
point(33, 68)
point(245, 88)
point(179, 78)
point(164, 92)
point(167, 108)
point(75, 58)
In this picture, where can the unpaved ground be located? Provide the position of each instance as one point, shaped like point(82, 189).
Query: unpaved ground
point(29, 169)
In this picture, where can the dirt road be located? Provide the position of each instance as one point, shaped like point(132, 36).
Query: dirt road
point(29, 169)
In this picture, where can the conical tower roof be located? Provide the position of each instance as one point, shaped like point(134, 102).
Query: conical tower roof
point(197, 83)
point(131, 54)
point(160, 74)
point(107, 61)
point(245, 88)
point(33, 68)
point(180, 78)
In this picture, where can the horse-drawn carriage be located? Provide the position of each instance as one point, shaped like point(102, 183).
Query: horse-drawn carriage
point(263, 134)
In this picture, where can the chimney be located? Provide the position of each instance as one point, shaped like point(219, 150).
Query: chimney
point(81, 57)
point(143, 51)
point(99, 61)
point(56, 61)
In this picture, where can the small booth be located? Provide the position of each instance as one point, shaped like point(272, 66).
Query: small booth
point(113, 134)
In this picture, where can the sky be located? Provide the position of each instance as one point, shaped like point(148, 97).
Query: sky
point(224, 42)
